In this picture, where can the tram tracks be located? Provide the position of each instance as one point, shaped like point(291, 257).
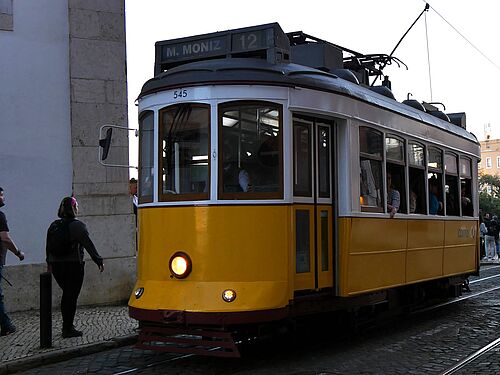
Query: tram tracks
point(473, 357)
point(455, 368)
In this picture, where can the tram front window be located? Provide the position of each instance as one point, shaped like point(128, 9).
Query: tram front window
point(146, 155)
point(184, 137)
point(250, 158)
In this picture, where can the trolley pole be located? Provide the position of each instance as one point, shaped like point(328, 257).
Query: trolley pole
point(46, 310)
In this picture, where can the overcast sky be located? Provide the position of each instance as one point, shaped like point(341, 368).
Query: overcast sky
point(463, 79)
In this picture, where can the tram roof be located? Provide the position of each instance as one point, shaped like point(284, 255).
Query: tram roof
point(239, 71)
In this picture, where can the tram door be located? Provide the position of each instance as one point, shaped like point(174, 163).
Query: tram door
point(313, 206)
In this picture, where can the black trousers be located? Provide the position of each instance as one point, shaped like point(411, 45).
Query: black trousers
point(69, 277)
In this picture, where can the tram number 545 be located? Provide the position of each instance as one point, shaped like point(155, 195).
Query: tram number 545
point(180, 94)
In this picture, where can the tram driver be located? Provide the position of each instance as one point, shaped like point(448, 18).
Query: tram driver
point(235, 178)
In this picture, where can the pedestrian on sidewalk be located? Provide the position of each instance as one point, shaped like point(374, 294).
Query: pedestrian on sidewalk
point(489, 238)
point(67, 265)
point(6, 242)
point(482, 232)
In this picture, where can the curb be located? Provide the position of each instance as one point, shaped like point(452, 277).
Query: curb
point(37, 360)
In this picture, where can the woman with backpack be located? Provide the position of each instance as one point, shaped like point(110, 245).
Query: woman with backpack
point(66, 239)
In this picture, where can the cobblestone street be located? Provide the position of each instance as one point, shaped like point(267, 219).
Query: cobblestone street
point(429, 342)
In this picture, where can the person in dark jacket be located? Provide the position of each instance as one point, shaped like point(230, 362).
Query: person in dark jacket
point(6, 243)
point(68, 269)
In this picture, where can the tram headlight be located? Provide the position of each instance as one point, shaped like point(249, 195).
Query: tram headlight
point(180, 265)
point(229, 295)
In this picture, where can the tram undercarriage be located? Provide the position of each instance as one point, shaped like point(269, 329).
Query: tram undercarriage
point(221, 334)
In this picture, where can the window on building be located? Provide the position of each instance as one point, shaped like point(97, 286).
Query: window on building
point(250, 151)
point(498, 161)
point(6, 15)
point(488, 162)
point(185, 143)
point(416, 159)
point(371, 156)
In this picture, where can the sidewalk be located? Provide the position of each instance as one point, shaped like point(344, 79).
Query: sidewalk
point(103, 327)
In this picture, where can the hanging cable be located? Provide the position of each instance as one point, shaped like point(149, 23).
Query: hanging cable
point(467, 40)
point(428, 55)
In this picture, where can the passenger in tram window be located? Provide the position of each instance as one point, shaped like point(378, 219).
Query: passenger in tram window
point(466, 202)
point(435, 205)
point(413, 202)
point(393, 197)
point(235, 179)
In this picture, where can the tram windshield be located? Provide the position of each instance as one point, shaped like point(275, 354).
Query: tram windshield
point(250, 151)
point(184, 165)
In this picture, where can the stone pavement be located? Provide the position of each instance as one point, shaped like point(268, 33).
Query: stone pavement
point(103, 327)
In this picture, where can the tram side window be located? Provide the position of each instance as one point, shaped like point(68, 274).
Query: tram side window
point(435, 181)
point(371, 149)
point(395, 173)
point(466, 187)
point(184, 162)
point(416, 176)
point(250, 156)
point(302, 184)
point(451, 185)
point(146, 156)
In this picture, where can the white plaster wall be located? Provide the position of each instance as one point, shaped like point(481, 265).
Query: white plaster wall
point(35, 132)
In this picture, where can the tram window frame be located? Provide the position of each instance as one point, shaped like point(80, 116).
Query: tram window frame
point(467, 203)
point(435, 178)
point(416, 179)
point(452, 187)
point(397, 168)
point(259, 161)
point(142, 196)
point(375, 160)
point(186, 196)
point(302, 184)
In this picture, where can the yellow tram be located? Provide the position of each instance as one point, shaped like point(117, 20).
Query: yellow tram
point(263, 188)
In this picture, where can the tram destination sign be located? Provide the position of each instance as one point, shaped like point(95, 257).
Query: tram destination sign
point(170, 53)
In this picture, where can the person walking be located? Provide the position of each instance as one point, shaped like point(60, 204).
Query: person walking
point(482, 232)
point(489, 238)
point(6, 242)
point(67, 265)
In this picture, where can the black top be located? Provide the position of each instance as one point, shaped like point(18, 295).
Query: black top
point(80, 239)
point(3, 228)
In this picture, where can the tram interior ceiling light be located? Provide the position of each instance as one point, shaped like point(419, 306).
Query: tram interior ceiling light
point(199, 157)
point(180, 265)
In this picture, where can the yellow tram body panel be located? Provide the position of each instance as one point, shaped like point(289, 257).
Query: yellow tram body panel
point(377, 253)
point(244, 248)
point(251, 250)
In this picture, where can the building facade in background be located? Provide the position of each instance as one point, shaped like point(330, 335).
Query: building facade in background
point(490, 157)
point(63, 74)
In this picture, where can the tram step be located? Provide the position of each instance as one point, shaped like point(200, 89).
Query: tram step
point(180, 340)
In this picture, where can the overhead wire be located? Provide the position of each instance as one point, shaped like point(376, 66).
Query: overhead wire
point(428, 55)
point(463, 36)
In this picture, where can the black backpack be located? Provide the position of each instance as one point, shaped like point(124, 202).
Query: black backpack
point(58, 237)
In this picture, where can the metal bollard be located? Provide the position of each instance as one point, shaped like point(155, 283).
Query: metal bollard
point(46, 310)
